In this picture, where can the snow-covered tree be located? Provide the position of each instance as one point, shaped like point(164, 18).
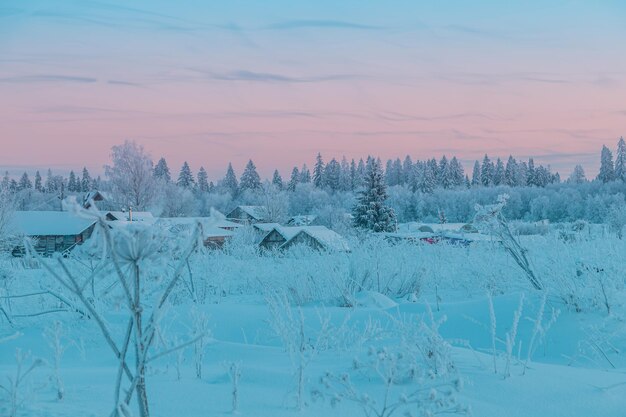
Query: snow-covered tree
point(25, 182)
point(131, 175)
point(620, 160)
point(318, 172)
point(294, 180)
point(345, 179)
point(85, 182)
point(305, 175)
point(578, 175)
point(229, 183)
point(250, 179)
point(162, 171)
point(498, 173)
point(486, 172)
point(510, 172)
point(332, 175)
point(277, 180)
point(203, 181)
point(476, 178)
point(607, 170)
point(443, 179)
point(73, 184)
point(456, 173)
point(370, 211)
point(38, 183)
point(185, 177)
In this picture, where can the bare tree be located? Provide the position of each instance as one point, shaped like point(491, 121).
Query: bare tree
point(131, 175)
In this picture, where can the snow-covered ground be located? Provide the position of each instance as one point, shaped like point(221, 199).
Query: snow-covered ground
point(269, 316)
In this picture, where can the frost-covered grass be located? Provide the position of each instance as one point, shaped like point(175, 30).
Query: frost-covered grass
point(307, 333)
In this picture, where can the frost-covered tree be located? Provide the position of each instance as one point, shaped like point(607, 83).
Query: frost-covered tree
point(370, 211)
point(305, 175)
point(426, 177)
point(408, 171)
point(131, 175)
point(277, 180)
point(203, 181)
point(185, 177)
point(607, 170)
point(345, 179)
point(456, 173)
point(353, 175)
point(229, 183)
point(498, 173)
point(294, 180)
point(73, 184)
point(250, 179)
point(443, 178)
point(531, 175)
point(86, 181)
point(510, 172)
point(332, 175)
point(38, 182)
point(578, 175)
point(25, 182)
point(486, 172)
point(162, 171)
point(476, 178)
point(318, 172)
point(620, 160)
point(6, 181)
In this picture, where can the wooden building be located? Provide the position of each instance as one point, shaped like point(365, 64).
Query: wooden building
point(248, 214)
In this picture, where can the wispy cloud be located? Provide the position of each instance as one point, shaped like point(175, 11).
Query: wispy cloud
point(267, 77)
point(320, 24)
point(47, 78)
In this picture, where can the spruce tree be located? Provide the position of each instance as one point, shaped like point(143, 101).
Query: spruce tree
point(203, 181)
point(250, 179)
point(6, 181)
point(607, 170)
point(408, 171)
point(318, 172)
point(332, 174)
point(305, 175)
point(353, 175)
point(486, 171)
point(38, 182)
point(510, 172)
point(578, 175)
point(345, 181)
point(86, 181)
point(72, 183)
point(277, 180)
point(498, 173)
point(162, 171)
point(49, 182)
point(294, 180)
point(531, 175)
point(25, 183)
point(443, 179)
point(476, 179)
point(370, 211)
point(620, 160)
point(229, 183)
point(456, 173)
point(185, 177)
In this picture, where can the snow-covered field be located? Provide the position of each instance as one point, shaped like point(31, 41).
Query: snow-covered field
point(383, 330)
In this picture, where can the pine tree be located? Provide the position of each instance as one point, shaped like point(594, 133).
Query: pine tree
point(426, 180)
point(162, 171)
point(305, 175)
point(86, 181)
point(332, 174)
point(250, 179)
point(229, 183)
point(294, 180)
point(620, 160)
point(456, 173)
point(277, 180)
point(318, 172)
point(498, 173)
point(203, 180)
point(353, 175)
point(38, 182)
point(578, 175)
point(25, 183)
point(486, 171)
point(531, 175)
point(510, 172)
point(607, 170)
point(360, 174)
point(6, 181)
point(443, 179)
point(185, 177)
point(345, 179)
point(50, 186)
point(370, 211)
point(476, 179)
point(408, 171)
point(72, 183)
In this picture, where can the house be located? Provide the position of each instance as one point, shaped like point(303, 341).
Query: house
point(215, 232)
point(248, 214)
point(51, 231)
point(316, 237)
point(130, 216)
point(262, 229)
point(302, 220)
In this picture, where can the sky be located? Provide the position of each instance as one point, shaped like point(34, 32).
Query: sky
point(278, 81)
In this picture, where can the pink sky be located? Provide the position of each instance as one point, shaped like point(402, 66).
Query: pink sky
point(278, 86)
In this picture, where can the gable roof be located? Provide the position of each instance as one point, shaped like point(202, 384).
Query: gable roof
point(266, 227)
point(301, 220)
point(138, 216)
point(49, 223)
point(211, 227)
point(256, 212)
point(329, 239)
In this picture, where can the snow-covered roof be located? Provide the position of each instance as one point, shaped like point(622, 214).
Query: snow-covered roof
point(210, 227)
point(301, 220)
point(49, 223)
point(138, 216)
point(256, 212)
point(329, 239)
point(266, 227)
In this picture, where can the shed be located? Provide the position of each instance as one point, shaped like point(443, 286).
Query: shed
point(248, 214)
point(319, 238)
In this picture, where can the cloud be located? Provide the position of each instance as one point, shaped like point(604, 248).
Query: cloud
point(321, 24)
point(46, 78)
point(245, 75)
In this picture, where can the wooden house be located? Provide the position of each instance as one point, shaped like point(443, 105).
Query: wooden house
point(215, 232)
point(315, 237)
point(248, 214)
point(51, 231)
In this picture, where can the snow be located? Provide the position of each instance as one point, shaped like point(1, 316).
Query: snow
point(48, 223)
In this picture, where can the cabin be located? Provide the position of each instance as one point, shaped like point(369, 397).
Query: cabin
point(51, 231)
point(248, 214)
point(315, 237)
point(215, 232)
point(302, 220)
point(130, 216)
